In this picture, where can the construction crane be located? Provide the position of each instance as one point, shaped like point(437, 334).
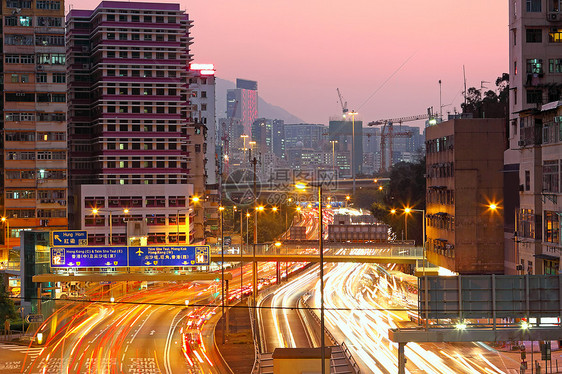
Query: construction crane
point(388, 134)
point(343, 104)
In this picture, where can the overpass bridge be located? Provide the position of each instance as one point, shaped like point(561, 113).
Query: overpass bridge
point(379, 253)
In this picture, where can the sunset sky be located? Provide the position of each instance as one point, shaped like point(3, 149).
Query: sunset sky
point(300, 51)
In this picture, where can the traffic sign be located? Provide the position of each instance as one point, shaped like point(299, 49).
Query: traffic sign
point(34, 318)
point(177, 255)
point(69, 238)
point(82, 257)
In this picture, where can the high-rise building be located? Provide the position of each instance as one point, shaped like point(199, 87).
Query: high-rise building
point(202, 86)
point(269, 135)
point(242, 103)
point(349, 137)
point(464, 159)
point(33, 105)
point(131, 122)
point(532, 162)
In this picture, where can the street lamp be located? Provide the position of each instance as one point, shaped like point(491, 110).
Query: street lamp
point(347, 200)
point(7, 237)
point(333, 153)
point(110, 211)
point(407, 211)
point(353, 114)
point(321, 250)
point(221, 210)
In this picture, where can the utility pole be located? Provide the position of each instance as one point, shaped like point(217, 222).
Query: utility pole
point(254, 162)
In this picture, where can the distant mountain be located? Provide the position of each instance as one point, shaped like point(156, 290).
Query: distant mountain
point(265, 109)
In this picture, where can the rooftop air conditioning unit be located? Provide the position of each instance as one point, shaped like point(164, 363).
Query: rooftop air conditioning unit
point(553, 16)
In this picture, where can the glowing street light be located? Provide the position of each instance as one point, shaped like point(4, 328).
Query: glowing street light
point(110, 211)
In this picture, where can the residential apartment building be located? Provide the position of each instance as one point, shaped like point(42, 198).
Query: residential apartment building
point(464, 216)
point(532, 162)
point(131, 122)
point(34, 155)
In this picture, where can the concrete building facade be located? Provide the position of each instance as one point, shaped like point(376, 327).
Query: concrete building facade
point(464, 218)
point(33, 105)
point(532, 161)
point(130, 115)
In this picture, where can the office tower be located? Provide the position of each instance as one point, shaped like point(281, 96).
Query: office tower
point(34, 161)
point(134, 144)
point(532, 162)
point(269, 135)
point(242, 103)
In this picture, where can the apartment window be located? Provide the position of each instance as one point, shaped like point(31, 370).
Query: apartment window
point(527, 180)
point(533, 6)
point(555, 35)
point(550, 176)
point(534, 66)
point(533, 36)
point(58, 58)
point(534, 96)
point(551, 227)
point(41, 78)
point(12, 59)
point(59, 78)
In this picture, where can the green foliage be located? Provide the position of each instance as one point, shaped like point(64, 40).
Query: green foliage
point(406, 189)
point(365, 197)
point(488, 104)
point(7, 308)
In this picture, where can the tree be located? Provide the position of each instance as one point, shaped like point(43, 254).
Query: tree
point(406, 189)
point(488, 104)
point(7, 307)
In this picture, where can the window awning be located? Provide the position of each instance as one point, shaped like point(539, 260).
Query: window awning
point(542, 256)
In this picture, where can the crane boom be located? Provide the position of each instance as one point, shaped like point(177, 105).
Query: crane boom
point(342, 103)
point(399, 119)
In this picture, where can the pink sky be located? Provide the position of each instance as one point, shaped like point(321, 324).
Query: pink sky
point(300, 51)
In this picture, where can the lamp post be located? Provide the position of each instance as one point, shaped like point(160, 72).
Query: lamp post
point(353, 114)
point(407, 210)
point(221, 210)
point(7, 238)
point(110, 211)
point(333, 153)
point(302, 186)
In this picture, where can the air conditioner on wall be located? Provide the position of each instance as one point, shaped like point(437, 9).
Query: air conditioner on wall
point(521, 143)
point(553, 16)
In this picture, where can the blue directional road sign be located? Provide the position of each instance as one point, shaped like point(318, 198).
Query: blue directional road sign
point(87, 257)
point(69, 238)
point(176, 255)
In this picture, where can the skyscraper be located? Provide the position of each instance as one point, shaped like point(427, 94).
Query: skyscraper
point(242, 103)
point(133, 141)
point(34, 180)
